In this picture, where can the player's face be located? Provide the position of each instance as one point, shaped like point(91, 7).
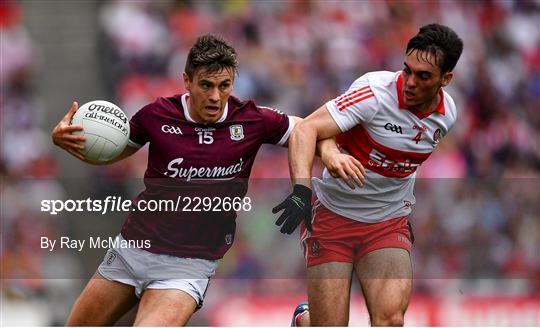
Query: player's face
point(208, 94)
point(422, 80)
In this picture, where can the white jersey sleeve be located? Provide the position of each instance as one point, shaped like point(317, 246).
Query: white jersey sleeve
point(389, 139)
point(357, 105)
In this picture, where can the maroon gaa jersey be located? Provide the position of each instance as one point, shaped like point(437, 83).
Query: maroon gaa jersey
point(187, 160)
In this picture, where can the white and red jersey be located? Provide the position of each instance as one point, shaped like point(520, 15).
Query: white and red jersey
point(390, 140)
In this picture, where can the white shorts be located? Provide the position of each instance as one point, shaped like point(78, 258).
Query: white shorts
point(144, 270)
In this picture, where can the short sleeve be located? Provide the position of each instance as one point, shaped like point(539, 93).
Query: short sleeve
point(278, 125)
point(138, 135)
point(357, 105)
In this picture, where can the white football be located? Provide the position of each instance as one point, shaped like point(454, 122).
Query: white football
point(106, 128)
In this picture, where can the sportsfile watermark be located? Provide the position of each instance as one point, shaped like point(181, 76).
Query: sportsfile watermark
point(119, 204)
point(472, 220)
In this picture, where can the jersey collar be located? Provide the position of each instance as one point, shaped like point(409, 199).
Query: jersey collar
point(188, 117)
point(420, 115)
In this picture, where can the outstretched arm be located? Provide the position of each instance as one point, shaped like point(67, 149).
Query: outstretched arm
point(302, 147)
point(317, 132)
point(302, 144)
point(339, 165)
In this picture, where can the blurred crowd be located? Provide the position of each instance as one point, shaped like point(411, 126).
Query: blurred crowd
point(296, 55)
point(477, 214)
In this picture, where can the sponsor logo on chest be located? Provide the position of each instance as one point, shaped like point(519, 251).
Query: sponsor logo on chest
point(419, 132)
point(170, 129)
point(175, 169)
point(419, 128)
point(393, 127)
point(381, 160)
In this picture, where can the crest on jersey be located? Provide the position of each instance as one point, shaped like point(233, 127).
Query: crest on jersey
point(228, 238)
point(437, 136)
point(237, 132)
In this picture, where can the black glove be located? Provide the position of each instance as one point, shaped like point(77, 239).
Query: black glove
point(297, 207)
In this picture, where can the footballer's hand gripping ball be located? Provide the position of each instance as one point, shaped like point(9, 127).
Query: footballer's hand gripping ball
point(106, 128)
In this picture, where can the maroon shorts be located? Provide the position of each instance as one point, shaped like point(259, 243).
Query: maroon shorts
point(339, 239)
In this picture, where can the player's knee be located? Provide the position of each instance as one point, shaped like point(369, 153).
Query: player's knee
point(389, 319)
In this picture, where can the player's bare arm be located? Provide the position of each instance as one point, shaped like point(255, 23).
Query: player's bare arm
point(302, 148)
point(333, 159)
point(320, 128)
point(340, 165)
point(62, 136)
point(296, 121)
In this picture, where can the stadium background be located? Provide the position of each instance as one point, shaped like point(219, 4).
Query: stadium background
point(477, 221)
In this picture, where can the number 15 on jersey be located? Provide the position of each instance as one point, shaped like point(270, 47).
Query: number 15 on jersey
point(205, 137)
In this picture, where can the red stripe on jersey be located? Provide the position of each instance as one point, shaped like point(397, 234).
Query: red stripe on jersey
point(352, 94)
point(378, 158)
point(354, 101)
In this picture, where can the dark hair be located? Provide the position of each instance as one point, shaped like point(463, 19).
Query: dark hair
point(211, 53)
point(440, 41)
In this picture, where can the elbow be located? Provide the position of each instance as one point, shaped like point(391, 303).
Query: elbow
point(305, 130)
point(301, 128)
